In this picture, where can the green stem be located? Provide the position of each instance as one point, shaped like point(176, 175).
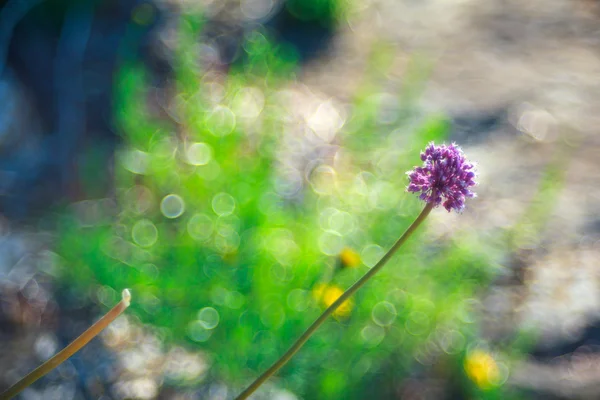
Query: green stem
point(71, 349)
point(347, 294)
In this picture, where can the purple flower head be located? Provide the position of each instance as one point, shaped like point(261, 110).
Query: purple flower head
point(445, 175)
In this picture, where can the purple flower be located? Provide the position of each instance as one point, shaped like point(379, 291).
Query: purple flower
point(445, 175)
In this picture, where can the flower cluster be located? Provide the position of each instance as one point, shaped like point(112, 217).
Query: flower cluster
point(445, 175)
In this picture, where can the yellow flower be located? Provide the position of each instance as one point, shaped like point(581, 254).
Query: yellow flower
point(349, 258)
point(328, 294)
point(482, 369)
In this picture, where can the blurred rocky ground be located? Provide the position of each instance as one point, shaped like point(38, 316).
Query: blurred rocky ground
point(519, 80)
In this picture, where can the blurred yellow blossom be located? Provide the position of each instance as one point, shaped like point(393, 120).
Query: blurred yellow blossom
point(482, 369)
point(349, 258)
point(326, 295)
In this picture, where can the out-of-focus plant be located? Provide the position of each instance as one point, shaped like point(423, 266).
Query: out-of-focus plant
point(224, 244)
point(71, 349)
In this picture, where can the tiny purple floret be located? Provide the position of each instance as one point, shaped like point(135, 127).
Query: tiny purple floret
point(445, 176)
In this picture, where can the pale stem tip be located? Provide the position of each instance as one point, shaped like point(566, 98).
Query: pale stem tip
point(126, 296)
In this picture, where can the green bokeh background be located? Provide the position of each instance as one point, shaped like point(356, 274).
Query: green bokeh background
point(219, 260)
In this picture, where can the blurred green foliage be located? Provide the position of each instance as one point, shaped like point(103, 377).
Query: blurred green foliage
point(220, 256)
point(326, 12)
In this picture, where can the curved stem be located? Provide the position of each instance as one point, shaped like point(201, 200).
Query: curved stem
point(348, 293)
point(71, 349)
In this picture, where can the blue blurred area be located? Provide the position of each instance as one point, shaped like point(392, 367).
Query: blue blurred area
point(58, 59)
